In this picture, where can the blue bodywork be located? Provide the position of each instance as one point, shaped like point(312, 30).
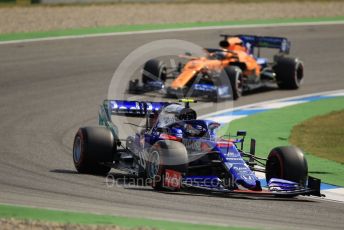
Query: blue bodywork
point(201, 142)
point(252, 41)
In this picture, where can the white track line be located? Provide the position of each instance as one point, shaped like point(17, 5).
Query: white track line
point(174, 30)
point(264, 103)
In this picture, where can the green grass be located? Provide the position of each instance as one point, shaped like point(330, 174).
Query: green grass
point(273, 128)
point(322, 136)
point(7, 211)
point(132, 28)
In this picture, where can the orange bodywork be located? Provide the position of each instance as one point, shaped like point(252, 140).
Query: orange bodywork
point(235, 44)
point(238, 54)
point(191, 69)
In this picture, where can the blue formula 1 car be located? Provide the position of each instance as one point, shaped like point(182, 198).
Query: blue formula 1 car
point(175, 150)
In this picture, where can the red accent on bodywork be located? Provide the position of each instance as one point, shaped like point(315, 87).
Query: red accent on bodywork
point(224, 144)
point(169, 137)
point(173, 179)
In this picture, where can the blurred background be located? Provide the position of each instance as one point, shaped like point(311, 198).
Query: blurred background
point(47, 15)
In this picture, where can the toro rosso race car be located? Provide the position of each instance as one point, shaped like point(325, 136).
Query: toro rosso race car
point(224, 73)
point(174, 150)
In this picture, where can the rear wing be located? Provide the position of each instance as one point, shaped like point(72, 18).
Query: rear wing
point(132, 108)
point(126, 108)
point(252, 41)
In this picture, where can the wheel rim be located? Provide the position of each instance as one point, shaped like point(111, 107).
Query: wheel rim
point(239, 84)
point(299, 73)
point(154, 164)
point(77, 149)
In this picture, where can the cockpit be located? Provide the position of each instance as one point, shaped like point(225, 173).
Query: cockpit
point(174, 113)
point(194, 129)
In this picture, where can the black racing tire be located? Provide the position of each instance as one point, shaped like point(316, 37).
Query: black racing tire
point(288, 163)
point(92, 147)
point(154, 70)
point(289, 72)
point(235, 76)
point(165, 155)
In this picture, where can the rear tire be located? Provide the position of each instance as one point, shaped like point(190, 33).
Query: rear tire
point(154, 70)
point(288, 163)
point(289, 72)
point(165, 155)
point(93, 146)
point(234, 74)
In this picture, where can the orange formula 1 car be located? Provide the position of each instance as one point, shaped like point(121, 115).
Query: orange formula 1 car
point(225, 73)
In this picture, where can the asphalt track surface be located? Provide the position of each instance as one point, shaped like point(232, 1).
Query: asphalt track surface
point(50, 88)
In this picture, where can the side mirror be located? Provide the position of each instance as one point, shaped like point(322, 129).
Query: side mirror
point(241, 133)
point(188, 54)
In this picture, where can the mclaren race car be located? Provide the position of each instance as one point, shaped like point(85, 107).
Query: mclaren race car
point(174, 150)
point(224, 73)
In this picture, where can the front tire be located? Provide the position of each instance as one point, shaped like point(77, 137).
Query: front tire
point(92, 147)
point(234, 74)
point(288, 163)
point(289, 72)
point(166, 155)
point(154, 70)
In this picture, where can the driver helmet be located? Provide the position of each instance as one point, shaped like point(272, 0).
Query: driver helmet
point(177, 132)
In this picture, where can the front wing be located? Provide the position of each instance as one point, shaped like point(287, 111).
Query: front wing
point(312, 189)
point(303, 192)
